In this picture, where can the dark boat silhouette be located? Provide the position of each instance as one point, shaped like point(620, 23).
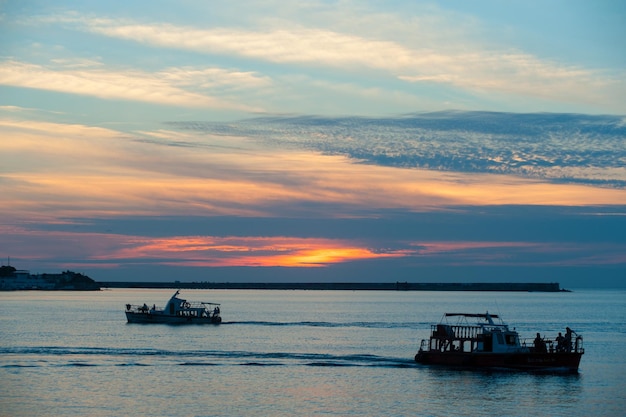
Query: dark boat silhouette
point(176, 311)
point(487, 344)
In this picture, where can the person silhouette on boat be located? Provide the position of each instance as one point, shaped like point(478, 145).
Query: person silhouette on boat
point(540, 344)
point(560, 343)
point(568, 339)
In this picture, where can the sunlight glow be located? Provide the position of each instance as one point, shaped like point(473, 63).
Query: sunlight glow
point(245, 251)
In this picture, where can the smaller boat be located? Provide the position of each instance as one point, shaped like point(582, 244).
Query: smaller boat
point(176, 311)
point(487, 344)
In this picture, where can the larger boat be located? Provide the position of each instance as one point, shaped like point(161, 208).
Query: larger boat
point(490, 344)
point(176, 311)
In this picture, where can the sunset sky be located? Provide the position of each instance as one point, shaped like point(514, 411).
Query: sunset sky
point(315, 141)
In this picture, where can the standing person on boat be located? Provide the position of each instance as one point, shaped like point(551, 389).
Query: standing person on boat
point(568, 339)
point(560, 343)
point(540, 345)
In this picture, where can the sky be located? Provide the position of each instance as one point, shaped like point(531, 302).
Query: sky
point(315, 141)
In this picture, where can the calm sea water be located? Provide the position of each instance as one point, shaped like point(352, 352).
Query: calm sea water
point(295, 353)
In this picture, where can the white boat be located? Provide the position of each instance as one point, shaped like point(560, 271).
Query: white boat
point(176, 311)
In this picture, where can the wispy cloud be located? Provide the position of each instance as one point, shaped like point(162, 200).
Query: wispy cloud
point(211, 78)
point(555, 147)
point(71, 169)
point(480, 69)
point(166, 87)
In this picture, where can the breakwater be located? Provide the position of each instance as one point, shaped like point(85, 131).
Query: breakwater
point(351, 286)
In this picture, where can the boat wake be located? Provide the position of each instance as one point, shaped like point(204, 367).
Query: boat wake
point(363, 324)
point(33, 357)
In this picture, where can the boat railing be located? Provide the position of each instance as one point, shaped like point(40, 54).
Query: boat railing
point(448, 331)
point(578, 345)
point(554, 346)
point(135, 308)
point(201, 304)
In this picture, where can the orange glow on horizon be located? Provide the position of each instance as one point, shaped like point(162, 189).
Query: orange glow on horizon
point(108, 250)
point(246, 251)
point(322, 257)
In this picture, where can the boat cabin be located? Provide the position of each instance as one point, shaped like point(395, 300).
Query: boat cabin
point(181, 307)
point(480, 337)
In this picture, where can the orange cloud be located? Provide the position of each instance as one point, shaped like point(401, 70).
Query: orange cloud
point(323, 256)
point(107, 250)
point(53, 171)
point(245, 251)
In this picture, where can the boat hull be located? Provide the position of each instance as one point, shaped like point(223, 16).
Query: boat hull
point(531, 361)
point(146, 318)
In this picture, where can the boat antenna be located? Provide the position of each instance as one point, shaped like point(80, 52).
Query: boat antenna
point(498, 308)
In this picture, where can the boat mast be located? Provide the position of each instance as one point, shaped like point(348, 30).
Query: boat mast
point(489, 319)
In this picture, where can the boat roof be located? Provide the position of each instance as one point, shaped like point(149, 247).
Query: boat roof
point(484, 316)
point(488, 317)
point(175, 297)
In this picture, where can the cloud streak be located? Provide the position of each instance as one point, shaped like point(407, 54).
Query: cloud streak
point(195, 173)
point(166, 88)
point(551, 147)
point(479, 70)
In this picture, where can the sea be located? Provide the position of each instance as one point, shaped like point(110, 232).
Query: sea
point(296, 353)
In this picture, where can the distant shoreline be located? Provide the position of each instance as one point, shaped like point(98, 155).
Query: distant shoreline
point(351, 286)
